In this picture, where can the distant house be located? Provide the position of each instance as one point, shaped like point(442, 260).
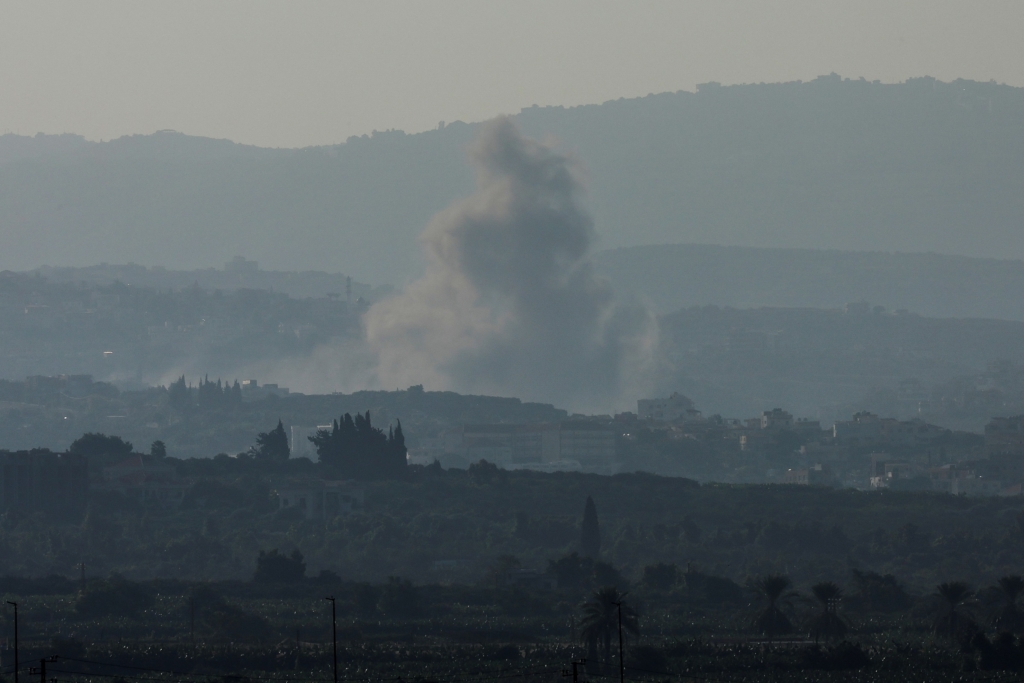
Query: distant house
point(806, 425)
point(757, 433)
point(674, 408)
point(862, 429)
point(145, 480)
point(440, 447)
point(240, 265)
point(320, 499)
point(892, 474)
point(776, 418)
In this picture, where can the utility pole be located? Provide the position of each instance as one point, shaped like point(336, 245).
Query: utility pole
point(42, 667)
point(622, 663)
point(334, 634)
point(15, 639)
point(575, 670)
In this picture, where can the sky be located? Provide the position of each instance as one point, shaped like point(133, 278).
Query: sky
point(293, 74)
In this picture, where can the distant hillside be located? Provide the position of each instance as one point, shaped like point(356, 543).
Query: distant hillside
point(831, 164)
point(674, 276)
point(235, 275)
point(53, 412)
point(830, 363)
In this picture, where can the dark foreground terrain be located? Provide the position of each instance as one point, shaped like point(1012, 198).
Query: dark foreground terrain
point(437, 525)
point(191, 631)
point(486, 574)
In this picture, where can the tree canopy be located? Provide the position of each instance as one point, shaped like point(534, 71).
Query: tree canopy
point(272, 445)
point(355, 449)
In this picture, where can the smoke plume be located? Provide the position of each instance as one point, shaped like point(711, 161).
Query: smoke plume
point(509, 303)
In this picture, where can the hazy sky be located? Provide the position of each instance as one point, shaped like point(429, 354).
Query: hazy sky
point(302, 73)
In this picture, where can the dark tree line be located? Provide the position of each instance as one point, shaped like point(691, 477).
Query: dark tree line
point(355, 449)
point(206, 395)
point(272, 445)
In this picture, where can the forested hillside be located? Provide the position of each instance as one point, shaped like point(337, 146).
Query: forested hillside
point(838, 164)
point(669, 277)
point(436, 524)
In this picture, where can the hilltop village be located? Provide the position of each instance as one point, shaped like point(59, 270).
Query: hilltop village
point(668, 437)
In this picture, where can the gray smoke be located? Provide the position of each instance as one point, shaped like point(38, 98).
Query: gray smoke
point(509, 303)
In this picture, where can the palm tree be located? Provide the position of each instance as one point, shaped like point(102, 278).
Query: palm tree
point(601, 620)
point(1009, 617)
point(950, 621)
point(828, 623)
point(775, 589)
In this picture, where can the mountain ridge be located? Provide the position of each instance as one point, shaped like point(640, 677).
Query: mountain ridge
point(671, 277)
point(828, 164)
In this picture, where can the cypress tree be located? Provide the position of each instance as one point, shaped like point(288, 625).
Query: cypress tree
point(590, 532)
point(273, 445)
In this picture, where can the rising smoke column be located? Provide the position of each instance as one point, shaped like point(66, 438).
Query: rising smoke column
point(509, 303)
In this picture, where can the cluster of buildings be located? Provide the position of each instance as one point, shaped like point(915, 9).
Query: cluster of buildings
point(866, 451)
point(665, 436)
point(916, 456)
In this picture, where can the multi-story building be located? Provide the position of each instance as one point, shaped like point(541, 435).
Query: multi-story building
point(776, 418)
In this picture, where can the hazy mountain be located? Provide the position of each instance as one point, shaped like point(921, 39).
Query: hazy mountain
point(830, 363)
point(831, 164)
point(235, 275)
point(674, 276)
